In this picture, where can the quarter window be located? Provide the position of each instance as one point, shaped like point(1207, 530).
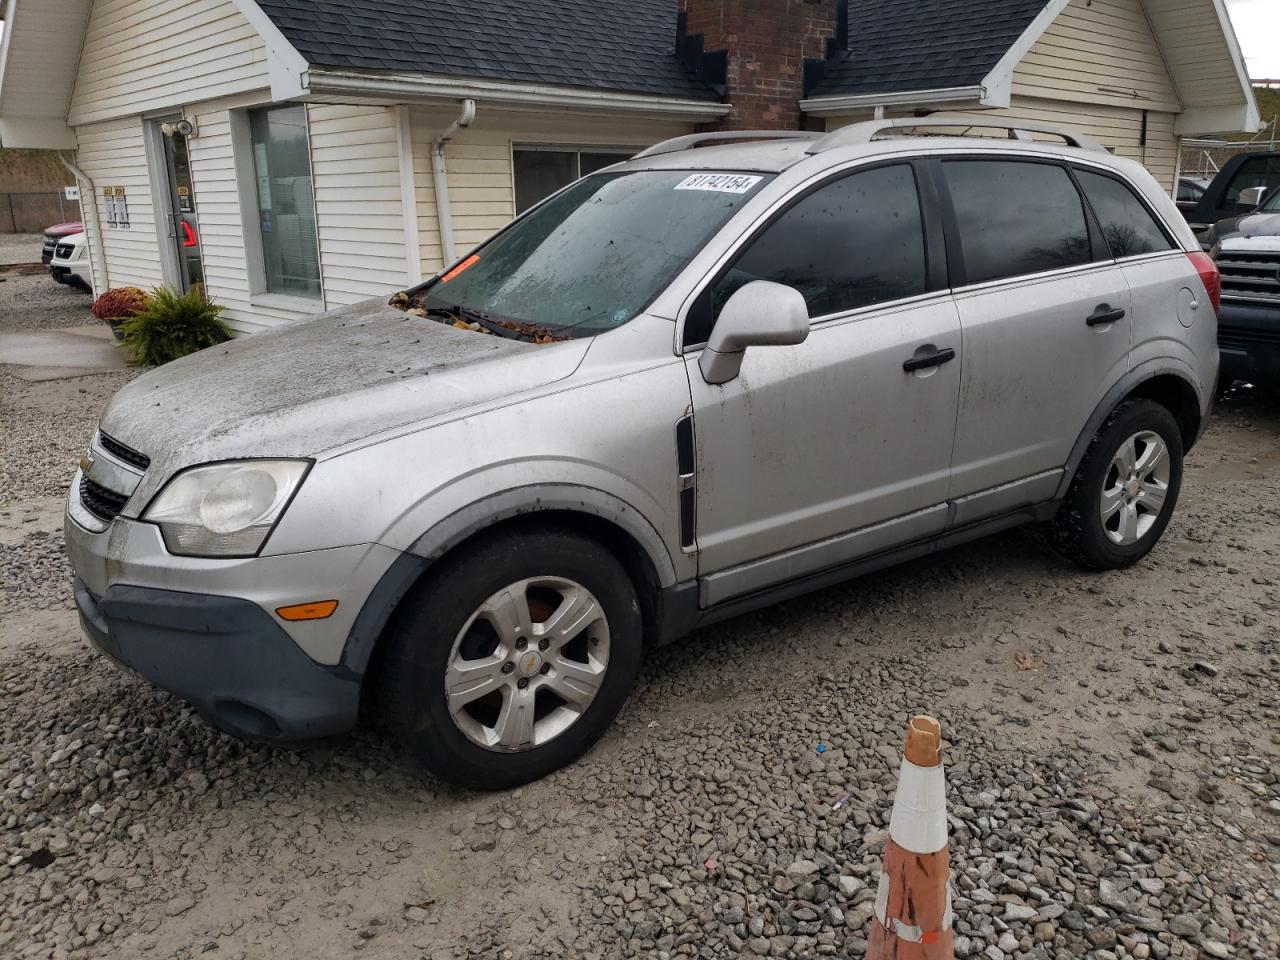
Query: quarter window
point(852, 243)
point(539, 172)
point(1127, 225)
point(1016, 217)
point(286, 208)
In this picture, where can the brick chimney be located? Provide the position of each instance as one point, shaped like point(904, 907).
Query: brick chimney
point(766, 43)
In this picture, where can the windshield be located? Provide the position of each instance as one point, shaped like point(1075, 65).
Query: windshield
point(1272, 203)
point(591, 258)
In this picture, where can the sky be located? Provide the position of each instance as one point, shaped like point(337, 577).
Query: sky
point(1257, 24)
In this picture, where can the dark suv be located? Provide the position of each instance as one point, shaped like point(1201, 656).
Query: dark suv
point(1247, 250)
point(1235, 191)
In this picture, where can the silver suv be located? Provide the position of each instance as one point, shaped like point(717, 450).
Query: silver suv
point(690, 385)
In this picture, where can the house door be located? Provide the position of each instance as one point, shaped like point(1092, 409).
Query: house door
point(180, 201)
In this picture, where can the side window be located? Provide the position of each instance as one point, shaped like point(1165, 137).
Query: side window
point(852, 243)
point(1188, 191)
point(1254, 172)
point(1127, 225)
point(1016, 217)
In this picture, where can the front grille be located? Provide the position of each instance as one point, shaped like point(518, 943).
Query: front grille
point(1240, 337)
point(1249, 275)
point(121, 452)
point(47, 248)
point(63, 251)
point(102, 503)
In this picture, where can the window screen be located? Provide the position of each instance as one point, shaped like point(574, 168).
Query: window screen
point(540, 172)
point(1016, 217)
point(286, 210)
point(849, 244)
point(1127, 225)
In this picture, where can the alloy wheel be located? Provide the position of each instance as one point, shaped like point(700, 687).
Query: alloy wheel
point(1134, 488)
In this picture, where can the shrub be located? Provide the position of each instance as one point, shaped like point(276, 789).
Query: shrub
point(119, 304)
point(172, 325)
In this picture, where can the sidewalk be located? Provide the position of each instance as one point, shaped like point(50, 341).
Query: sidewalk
point(57, 354)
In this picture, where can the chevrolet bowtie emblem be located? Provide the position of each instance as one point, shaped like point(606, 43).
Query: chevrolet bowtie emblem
point(86, 463)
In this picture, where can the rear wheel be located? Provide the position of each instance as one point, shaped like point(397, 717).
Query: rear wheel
point(1123, 494)
point(513, 659)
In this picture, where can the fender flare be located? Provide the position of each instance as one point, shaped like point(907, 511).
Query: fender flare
point(404, 572)
point(1148, 370)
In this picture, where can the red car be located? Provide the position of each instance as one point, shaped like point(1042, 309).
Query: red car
point(55, 233)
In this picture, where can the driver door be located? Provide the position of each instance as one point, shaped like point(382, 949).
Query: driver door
point(824, 452)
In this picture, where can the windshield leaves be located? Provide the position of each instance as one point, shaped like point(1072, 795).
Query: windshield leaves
point(589, 259)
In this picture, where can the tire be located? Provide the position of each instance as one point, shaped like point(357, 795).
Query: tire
point(557, 574)
point(1079, 532)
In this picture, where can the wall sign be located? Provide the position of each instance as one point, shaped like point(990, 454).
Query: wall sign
point(72, 193)
point(117, 207)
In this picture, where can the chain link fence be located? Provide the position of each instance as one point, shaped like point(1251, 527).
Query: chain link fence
point(1203, 159)
point(32, 212)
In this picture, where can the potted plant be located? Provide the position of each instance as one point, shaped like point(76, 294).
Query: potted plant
point(116, 306)
point(171, 325)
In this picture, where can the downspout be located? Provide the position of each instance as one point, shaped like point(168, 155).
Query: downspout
point(443, 216)
point(95, 235)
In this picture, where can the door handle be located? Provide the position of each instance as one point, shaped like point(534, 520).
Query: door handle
point(1104, 314)
point(935, 359)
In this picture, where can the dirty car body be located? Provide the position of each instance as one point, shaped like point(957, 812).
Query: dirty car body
point(645, 405)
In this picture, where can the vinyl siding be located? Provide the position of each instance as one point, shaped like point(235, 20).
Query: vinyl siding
point(478, 162)
point(355, 169)
point(1098, 51)
point(114, 155)
point(142, 55)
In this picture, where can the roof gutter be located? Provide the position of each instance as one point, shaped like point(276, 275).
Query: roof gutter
point(354, 86)
point(858, 102)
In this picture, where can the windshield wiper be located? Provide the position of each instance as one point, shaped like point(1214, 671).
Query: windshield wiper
point(500, 327)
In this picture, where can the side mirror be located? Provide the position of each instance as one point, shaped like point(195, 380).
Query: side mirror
point(760, 314)
point(1252, 196)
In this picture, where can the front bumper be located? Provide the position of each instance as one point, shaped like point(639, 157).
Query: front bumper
point(225, 656)
point(1248, 343)
point(207, 630)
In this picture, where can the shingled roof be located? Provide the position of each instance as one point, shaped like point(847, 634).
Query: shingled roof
point(622, 45)
point(896, 45)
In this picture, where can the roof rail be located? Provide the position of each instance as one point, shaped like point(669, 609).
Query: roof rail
point(691, 140)
point(1018, 130)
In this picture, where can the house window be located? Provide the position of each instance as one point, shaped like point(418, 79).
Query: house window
point(541, 171)
point(286, 212)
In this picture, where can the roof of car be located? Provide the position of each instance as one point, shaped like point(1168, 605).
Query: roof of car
point(622, 45)
point(924, 44)
point(774, 156)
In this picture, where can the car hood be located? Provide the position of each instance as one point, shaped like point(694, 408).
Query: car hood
point(64, 229)
point(1250, 225)
point(319, 383)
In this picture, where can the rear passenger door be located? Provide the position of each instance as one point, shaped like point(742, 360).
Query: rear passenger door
point(1161, 280)
point(1045, 319)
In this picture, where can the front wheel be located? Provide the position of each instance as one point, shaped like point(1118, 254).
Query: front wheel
point(1124, 491)
point(513, 659)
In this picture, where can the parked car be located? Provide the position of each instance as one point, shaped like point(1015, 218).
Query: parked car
point(1190, 190)
point(1247, 251)
point(59, 231)
point(684, 387)
point(1236, 190)
point(70, 263)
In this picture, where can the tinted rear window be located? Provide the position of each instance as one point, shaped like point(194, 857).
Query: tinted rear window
point(1254, 172)
point(1127, 224)
point(1016, 217)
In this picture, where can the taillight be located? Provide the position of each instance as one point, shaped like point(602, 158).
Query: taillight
point(1209, 276)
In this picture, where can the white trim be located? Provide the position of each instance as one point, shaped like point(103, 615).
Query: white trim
point(285, 65)
point(999, 81)
point(918, 822)
point(418, 88)
point(36, 133)
point(1252, 118)
point(162, 197)
point(855, 102)
point(408, 197)
point(1196, 121)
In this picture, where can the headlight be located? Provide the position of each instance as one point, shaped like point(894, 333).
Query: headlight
point(225, 509)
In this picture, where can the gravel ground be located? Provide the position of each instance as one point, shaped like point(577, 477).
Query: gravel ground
point(1113, 761)
point(34, 301)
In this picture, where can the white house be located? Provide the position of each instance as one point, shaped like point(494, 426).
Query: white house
point(296, 155)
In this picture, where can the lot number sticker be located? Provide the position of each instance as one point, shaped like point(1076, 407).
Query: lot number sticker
point(719, 182)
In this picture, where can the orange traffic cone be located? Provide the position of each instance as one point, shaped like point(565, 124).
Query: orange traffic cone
point(913, 905)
